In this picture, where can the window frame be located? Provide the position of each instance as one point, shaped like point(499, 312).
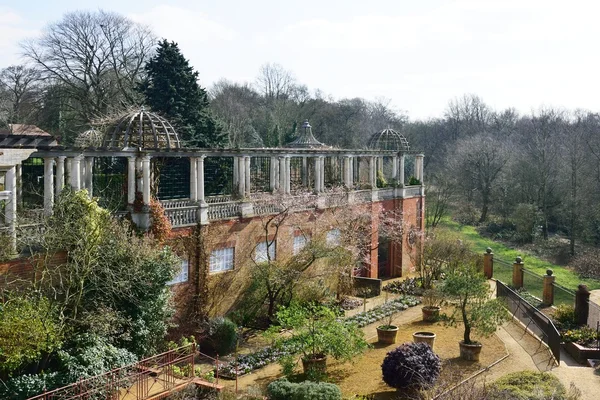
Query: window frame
point(183, 275)
point(272, 251)
point(226, 260)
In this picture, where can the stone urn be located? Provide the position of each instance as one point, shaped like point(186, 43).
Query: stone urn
point(386, 334)
point(431, 313)
point(425, 337)
point(316, 363)
point(470, 352)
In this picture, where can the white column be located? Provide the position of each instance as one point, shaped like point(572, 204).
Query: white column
point(317, 161)
point(247, 186)
point(395, 167)
point(10, 210)
point(200, 175)
point(146, 180)
point(19, 172)
point(401, 170)
point(241, 176)
point(288, 175)
point(131, 161)
point(89, 175)
point(282, 174)
point(322, 172)
point(304, 172)
point(48, 185)
point(75, 174)
point(193, 179)
point(347, 172)
point(60, 174)
point(352, 158)
point(419, 167)
point(236, 173)
point(68, 169)
point(273, 174)
point(372, 172)
point(139, 181)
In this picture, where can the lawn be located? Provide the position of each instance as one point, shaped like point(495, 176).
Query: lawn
point(504, 256)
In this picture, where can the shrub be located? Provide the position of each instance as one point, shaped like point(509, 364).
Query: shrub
point(411, 286)
point(411, 365)
point(584, 336)
point(222, 335)
point(528, 385)
point(25, 386)
point(564, 316)
point(284, 390)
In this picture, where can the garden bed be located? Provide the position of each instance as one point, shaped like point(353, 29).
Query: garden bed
point(581, 353)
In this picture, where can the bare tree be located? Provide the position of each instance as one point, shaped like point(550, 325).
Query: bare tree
point(97, 57)
point(275, 82)
point(19, 90)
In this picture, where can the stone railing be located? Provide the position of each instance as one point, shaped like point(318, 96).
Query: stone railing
point(218, 211)
point(219, 199)
point(177, 203)
point(182, 216)
point(412, 191)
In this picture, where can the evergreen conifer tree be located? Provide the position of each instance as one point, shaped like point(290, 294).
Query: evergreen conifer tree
point(171, 88)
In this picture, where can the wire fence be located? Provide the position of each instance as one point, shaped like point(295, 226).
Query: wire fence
point(562, 295)
point(533, 283)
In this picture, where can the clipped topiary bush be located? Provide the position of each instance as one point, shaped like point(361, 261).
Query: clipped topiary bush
point(411, 365)
point(528, 385)
point(222, 335)
point(282, 389)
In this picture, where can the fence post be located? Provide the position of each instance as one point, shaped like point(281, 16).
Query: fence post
point(582, 306)
point(548, 296)
point(488, 263)
point(517, 278)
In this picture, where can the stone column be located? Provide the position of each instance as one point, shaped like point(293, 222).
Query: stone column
point(347, 176)
point(273, 165)
point(517, 278)
point(89, 175)
point(193, 179)
point(131, 161)
point(10, 210)
point(322, 172)
point(200, 177)
point(60, 174)
point(146, 180)
point(401, 171)
point(548, 293)
point(317, 161)
point(139, 182)
point(68, 169)
point(488, 263)
point(395, 168)
point(372, 172)
point(288, 175)
point(247, 187)
point(582, 305)
point(19, 173)
point(352, 158)
point(282, 174)
point(48, 185)
point(304, 172)
point(241, 177)
point(419, 167)
point(236, 173)
point(75, 175)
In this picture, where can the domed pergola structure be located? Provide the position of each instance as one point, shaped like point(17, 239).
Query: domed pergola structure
point(89, 138)
point(388, 139)
point(305, 139)
point(141, 129)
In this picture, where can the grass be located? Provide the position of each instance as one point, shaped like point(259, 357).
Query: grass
point(504, 256)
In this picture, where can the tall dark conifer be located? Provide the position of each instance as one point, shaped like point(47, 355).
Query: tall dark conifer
point(171, 88)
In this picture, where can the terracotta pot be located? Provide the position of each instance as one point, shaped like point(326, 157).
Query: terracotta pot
point(431, 313)
point(425, 337)
point(470, 352)
point(316, 363)
point(387, 336)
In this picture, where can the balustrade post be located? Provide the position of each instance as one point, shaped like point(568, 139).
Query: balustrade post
point(48, 185)
point(517, 278)
point(488, 263)
point(548, 293)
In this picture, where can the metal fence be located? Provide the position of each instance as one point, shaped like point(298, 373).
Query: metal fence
point(533, 283)
point(532, 318)
point(562, 295)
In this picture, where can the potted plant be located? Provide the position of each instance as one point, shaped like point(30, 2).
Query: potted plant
point(424, 337)
point(432, 300)
point(466, 287)
point(317, 333)
point(386, 333)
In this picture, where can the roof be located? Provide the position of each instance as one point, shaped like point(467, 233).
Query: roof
point(11, 141)
point(24, 130)
point(305, 139)
point(141, 129)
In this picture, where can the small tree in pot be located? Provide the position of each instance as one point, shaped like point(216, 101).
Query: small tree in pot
point(432, 300)
point(317, 333)
point(467, 288)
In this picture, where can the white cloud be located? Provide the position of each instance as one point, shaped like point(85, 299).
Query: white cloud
point(13, 29)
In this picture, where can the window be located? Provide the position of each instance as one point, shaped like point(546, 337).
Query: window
point(333, 237)
point(221, 260)
point(182, 276)
point(260, 253)
point(299, 243)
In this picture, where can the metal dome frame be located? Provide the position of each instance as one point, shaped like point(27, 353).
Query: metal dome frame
point(142, 129)
point(388, 139)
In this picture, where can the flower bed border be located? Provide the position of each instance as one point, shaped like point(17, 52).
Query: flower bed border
point(581, 353)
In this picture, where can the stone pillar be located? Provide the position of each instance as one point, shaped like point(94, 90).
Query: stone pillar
point(304, 172)
point(372, 172)
point(582, 305)
point(48, 185)
point(10, 210)
point(200, 177)
point(419, 167)
point(488, 263)
point(131, 161)
point(273, 178)
point(322, 172)
point(401, 171)
point(247, 187)
point(395, 168)
point(193, 179)
point(347, 172)
point(517, 278)
point(139, 182)
point(60, 174)
point(317, 161)
point(89, 175)
point(75, 174)
point(19, 173)
point(282, 174)
point(146, 180)
point(548, 294)
point(236, 173)
point(352, 158)
point(288, 175)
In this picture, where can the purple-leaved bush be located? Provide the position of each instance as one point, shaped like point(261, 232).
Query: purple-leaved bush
point(411, 365)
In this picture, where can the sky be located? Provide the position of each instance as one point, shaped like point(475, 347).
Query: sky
point(417, 54)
